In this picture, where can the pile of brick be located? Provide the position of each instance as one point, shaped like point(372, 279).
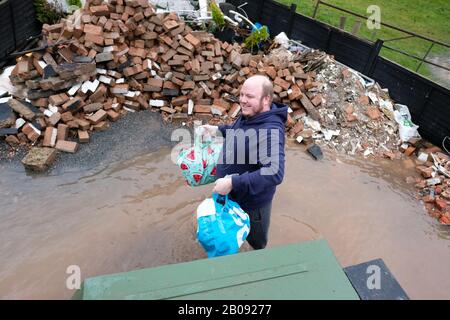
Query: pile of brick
point(121, 57)
point(433, 167)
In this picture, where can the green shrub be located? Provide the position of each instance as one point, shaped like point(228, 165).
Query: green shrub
point(76, 3)
point(217, 15)
point(255, 38)
point(49, 13)
point(73, 5)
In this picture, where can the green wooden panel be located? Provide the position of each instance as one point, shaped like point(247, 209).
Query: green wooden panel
point(305, 270)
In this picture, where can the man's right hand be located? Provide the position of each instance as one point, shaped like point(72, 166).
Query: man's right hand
point(207, 130)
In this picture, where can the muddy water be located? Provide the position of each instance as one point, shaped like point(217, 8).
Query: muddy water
point(138, 213)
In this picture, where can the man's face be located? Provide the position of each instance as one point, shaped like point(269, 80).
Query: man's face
point(251, 99)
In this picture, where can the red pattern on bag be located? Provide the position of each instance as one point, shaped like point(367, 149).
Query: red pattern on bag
point(191, 155)
point(197, 177)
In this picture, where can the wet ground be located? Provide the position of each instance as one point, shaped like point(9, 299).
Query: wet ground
point(120, 204)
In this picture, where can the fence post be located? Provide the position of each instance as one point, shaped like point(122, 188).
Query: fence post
point(424, 57)
point(424, 105)
point(293, 9)
point(370, 64)
point(315, 9)
point(13, 23)
point(329, 35)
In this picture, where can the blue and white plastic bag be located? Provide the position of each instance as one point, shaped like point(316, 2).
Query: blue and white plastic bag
point(198, 163)
point(222, 226)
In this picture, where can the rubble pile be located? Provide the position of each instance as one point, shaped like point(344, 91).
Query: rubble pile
point(122, 56)
point(433, 167)
point(353, 117)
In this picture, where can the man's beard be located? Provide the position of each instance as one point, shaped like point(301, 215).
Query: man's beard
point(258, 110)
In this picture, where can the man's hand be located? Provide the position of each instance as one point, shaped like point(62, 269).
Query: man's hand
point(207, 130)
point(223, 186)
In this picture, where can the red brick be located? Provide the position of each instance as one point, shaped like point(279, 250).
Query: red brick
point(94, 38)
point(186, 44)
point(409, 151)
point(426, 172)
point(58, 99)
point(97, 117)
point(192, 40)
point(138, 16)
point(67, 116)
point(93, 29)
point(12, 140)
point(83, 124)
point(112, 115)
point(99, 10)
point(202, 109)
point(54, 119)
point(188, 85)
point(373, 113)
point(170, 25)
point(364, 100)
point(49, 141)
point(441, 204)
point(153, 85)
point(83, 136)
point(445, 219)
point(317, 100)
point(137, 52)
point(67, 146)
point(63, 132)
point(282, 83)
point(102, 125)
point(296, 93)
point(178, 101)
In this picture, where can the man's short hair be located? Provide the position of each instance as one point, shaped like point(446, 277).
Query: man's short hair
point(267, 88)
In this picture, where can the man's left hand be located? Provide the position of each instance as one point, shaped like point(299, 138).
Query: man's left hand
point(223, 186)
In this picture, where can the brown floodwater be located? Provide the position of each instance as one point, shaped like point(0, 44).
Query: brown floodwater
point(139, 213)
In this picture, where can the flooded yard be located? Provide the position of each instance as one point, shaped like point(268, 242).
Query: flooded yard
point(138, 213)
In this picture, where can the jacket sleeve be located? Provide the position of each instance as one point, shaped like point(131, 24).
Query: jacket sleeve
point(270, 174)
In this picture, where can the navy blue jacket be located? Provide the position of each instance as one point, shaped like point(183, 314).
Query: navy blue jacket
point(254, 186)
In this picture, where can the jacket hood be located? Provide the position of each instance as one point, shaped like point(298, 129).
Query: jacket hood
point(276, 115)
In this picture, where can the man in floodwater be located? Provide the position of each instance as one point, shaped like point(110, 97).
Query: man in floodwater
point(251, 164)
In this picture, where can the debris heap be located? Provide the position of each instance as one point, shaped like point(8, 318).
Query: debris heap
point(433, 181)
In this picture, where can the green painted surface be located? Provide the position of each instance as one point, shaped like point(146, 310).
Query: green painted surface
point(305, 270)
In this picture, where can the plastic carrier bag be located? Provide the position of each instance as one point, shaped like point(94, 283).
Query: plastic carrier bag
point(406, 128)
point(198, 163)
point(222, 226)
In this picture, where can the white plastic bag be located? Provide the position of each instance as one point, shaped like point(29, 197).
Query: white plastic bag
point(282, 40)
point(407, 129)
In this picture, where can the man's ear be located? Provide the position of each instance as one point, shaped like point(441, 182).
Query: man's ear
point(266, 101)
